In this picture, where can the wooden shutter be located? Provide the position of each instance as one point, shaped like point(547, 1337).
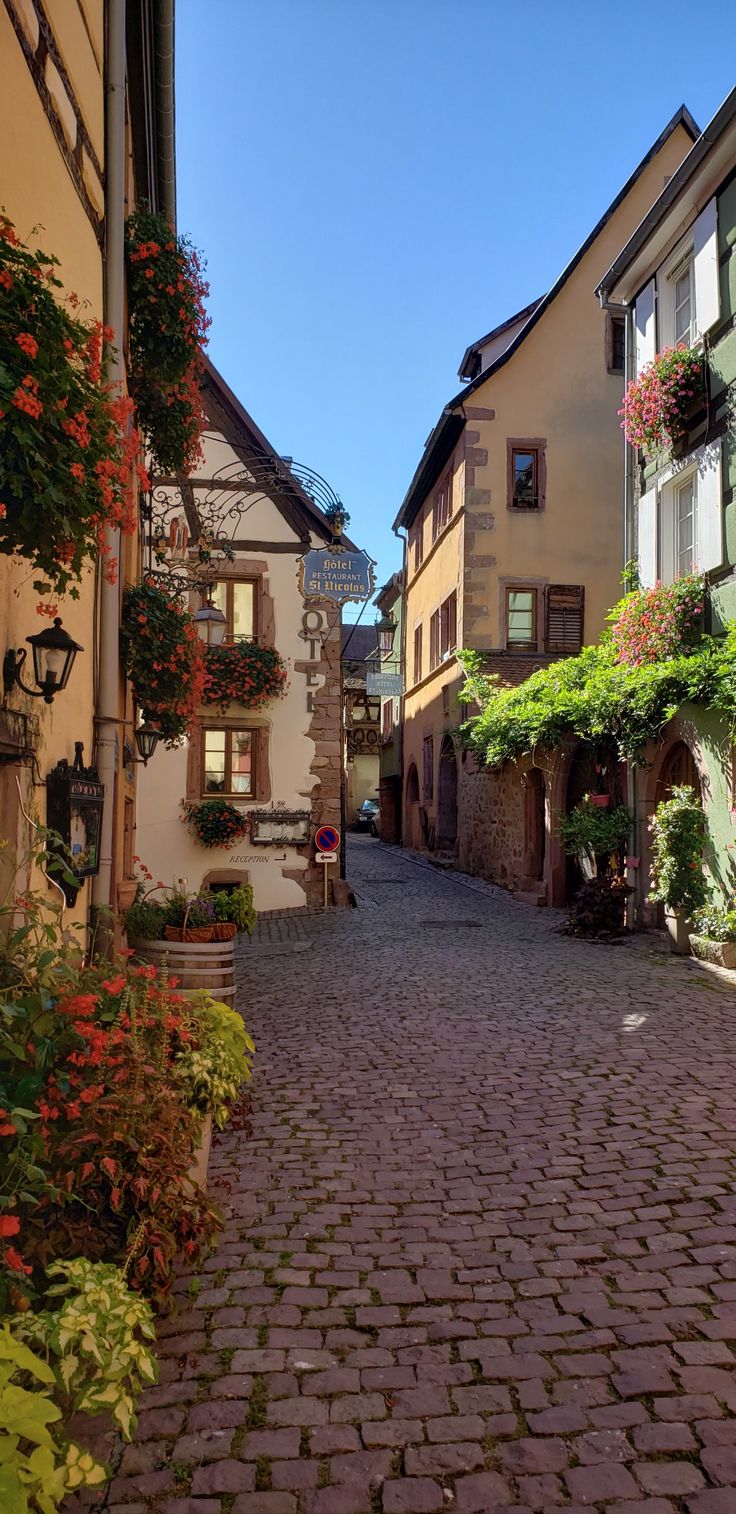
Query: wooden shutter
point(709, 509)
point(645, 327)
point(705, 265)
point(452, 622)
point(647, 543)
point(564, 617)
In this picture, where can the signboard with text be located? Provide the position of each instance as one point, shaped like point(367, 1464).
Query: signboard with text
point(336, 574)
point(390, 685)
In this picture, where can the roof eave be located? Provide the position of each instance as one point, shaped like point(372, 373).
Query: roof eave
point(436, 453)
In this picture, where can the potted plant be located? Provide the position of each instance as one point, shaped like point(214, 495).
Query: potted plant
point(652, 625)
point(234, 912)
point(242, 673)
point(714, 939)
point(211, 1070)
point(215, 822)
point(145, 920)
point(189, 918)
point(337, 518)
point(593, 832)
point(163, 658)
point(678, 831)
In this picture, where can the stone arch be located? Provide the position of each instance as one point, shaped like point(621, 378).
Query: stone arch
point(678, 767)
point(447, 797)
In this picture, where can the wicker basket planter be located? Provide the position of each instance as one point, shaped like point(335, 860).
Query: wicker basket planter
point(720, 953)
point(201, 933)
point(224, 930)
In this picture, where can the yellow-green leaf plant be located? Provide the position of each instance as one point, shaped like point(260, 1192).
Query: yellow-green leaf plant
point(36, 1469)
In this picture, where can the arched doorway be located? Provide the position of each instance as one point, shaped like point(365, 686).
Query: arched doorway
point(679, 768)
point(593, 769)
point(412, 806)
point(447, 797)
point(534, 825)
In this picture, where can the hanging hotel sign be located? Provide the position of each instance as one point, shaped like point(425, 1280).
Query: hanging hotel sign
point(337, 574)
point(390, 685)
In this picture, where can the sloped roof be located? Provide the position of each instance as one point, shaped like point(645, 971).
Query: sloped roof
point(358, 642)
point(452, 420)
point(474, 350)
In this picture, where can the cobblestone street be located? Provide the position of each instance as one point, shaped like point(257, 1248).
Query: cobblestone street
point(480, 1246)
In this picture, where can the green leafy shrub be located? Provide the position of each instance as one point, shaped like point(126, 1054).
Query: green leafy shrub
point(678, 830)
point(145, 920)
point(190, 910)
point(97, 1339)
point(38, 1467)
point(212, 1072)
point(236, 905)
point(716, 921)
point(591, 831)
point(163, 658)
point(241, 672)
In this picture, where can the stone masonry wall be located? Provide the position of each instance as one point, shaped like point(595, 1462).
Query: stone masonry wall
point(325, 728)
point(491, 824)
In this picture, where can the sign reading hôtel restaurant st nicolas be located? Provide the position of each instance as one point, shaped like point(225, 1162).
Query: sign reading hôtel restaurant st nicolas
point(337, 574)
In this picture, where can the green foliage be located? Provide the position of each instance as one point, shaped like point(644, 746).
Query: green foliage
point(37, 1468)
point(678, 831)
point(97, 1339)
point(190, 910)
point(479, 686)
point(716, 921)
point(591, 831)
point(664, 621)
point(241, 672)
point(163, 658)
point(145, 920)
point(592, 696)
point(212, 1073)
point(236, 904)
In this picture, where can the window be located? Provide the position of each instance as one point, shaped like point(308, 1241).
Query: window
point(417, 653)
point(442, 505)
point(416, 543)
point(683, 302)
point(564, 628)
point(228, 762)
point(428, 752)
point(521, 619)
point(448, 626)
point(236, 597)
point(525, 473)
point(615, 343)
point(685, 526)
point(434, 640)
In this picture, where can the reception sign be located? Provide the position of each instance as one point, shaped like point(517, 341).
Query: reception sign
point(390, 685)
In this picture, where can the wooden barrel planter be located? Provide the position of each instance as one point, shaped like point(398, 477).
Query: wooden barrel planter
point(209, 965)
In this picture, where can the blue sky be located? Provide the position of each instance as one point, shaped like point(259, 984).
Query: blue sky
point(375, 183)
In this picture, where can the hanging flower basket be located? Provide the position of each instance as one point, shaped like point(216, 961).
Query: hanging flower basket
point(652, 625)
point(168, 329)
point(69, 453)
point(215, 822)
point(242, 673)
point(163, 658)
point(602, 801)
point(659, 403)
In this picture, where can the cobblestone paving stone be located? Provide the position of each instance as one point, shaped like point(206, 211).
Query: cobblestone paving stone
point(480, 1248)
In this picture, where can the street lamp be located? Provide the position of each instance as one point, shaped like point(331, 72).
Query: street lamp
point(54, 654)
point(211, 624)
point(386, 628)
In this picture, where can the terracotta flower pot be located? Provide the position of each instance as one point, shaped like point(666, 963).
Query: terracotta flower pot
point(601, 800)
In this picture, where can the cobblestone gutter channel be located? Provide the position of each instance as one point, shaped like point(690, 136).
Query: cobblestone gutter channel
point(479, 1249)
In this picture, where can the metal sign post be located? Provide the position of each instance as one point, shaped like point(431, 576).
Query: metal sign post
point(327, 842)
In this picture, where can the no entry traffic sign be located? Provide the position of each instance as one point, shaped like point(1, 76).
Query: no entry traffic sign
point(327, 838)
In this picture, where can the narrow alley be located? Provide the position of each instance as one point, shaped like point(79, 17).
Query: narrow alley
point(479, 1247)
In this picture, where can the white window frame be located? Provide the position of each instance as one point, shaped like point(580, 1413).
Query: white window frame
point(683, 257)
point(667, 570)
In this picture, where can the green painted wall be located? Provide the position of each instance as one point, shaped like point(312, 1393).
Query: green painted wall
point(714, 739)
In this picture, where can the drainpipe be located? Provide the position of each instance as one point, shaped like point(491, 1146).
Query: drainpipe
point(106, 713)
point(404, 539)
point(165, 111)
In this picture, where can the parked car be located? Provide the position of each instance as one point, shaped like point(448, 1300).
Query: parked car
point(366, 817)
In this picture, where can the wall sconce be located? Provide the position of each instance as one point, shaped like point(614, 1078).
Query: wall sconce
point(54, 654)
point(211, 624)
point(146, 739)
point(386, 628)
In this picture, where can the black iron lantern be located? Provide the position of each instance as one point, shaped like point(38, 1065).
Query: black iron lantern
point(54, 655)
point(386, 628)
point(146, 739)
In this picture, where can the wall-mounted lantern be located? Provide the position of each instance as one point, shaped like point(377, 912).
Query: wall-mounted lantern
point(54, 654)
point(146, 739)
point(386, 628)
point(74, 803)
point(211, 624)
